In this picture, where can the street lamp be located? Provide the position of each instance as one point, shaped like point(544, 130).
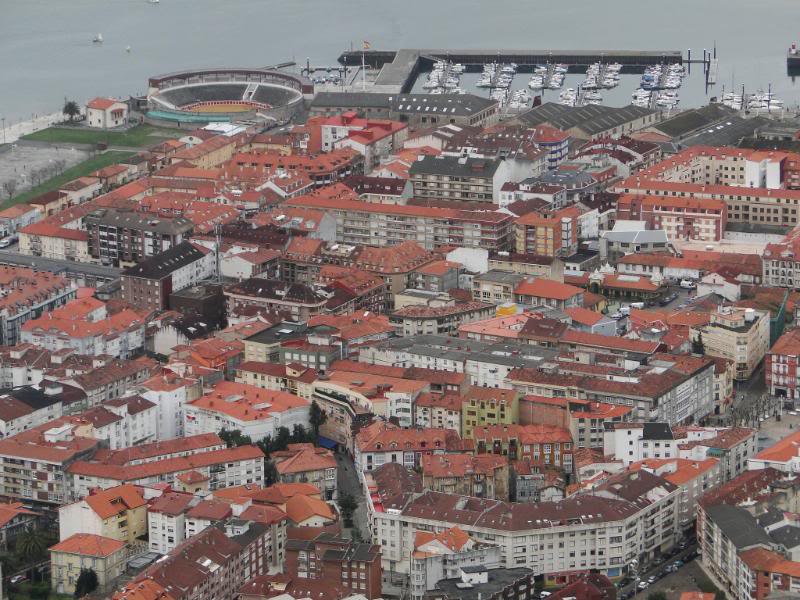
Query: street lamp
point(635, 568)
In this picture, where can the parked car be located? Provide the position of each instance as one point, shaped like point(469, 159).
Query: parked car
point(5, 242)
point(643, 585)
point(688, 284)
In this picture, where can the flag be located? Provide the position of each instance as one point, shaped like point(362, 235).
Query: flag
point(366, 45)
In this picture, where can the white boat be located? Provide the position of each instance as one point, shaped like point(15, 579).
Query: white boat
point(98, 39)
point(154, 1)
point(536, 82)
point(127, 49)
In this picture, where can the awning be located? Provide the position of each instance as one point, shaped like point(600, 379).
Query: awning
point(326, 443)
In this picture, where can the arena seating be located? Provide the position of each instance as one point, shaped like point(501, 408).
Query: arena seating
point(274, 96)
point(204, 93)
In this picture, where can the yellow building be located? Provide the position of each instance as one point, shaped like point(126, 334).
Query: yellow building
point(118, 513)
point(488, 406)
point(105, 556)
point(738, 334)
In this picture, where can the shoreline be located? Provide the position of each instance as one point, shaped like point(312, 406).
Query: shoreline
point(13, 131)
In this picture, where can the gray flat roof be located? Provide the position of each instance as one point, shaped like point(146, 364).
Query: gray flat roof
point(591, 119)
point(738, 525)
point(499, 580)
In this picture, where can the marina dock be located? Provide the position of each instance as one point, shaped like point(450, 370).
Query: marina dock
point(400, 68)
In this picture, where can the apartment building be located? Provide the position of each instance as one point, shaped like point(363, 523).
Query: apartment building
point(635, 442)
point(27, 407)
point(121, 238)
point(86, 327)
point(306, 463)
point(633, 515)
point(443, 555)
point(35, 462)
point(119, 513)
point(485, 407)
point(382, 442)
point(105, 556)
point(733, 447)
point(481, 476)
point(757, 186)
point(418, 319)
point(438, 410)
point(459, 178)
point(480, 364)
point(694, 478)
point(337, 561)
point(781, 366)
point(170, 393)
point(223, 468)
point(680, 217)
point(551, 234)
point(738, 334)
point(148, 284)
point(293, 378)
point(662, 391)
point(548, 293)
point(323, 169)
point(373, 224)
point(543, 446)
point(166, 521)
point(212, 563)
point(781, 261)
point(25, 295)
point(496, 286)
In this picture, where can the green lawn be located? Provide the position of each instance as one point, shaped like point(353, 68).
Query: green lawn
point(138, 137)
point(79, 170)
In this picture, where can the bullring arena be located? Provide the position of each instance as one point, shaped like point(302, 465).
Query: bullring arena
point(190, 98)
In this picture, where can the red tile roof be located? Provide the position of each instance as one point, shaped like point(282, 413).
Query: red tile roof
point(87, 544)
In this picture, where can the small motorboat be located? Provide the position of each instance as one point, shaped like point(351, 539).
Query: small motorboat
point(98, 39)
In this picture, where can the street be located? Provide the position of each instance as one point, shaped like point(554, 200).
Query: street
point(672, 584)
point(348, 483)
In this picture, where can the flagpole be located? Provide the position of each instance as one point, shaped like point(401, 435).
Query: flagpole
point(363, 69)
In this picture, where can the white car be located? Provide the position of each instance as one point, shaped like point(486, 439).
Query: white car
point(5, 242)
point(643, 585)
point(688, 284)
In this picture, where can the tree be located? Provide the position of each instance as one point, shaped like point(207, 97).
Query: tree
point(657, 596)
point(31, 545)
point(698, 347)
point(234, 438)
point(9, 187)
point(347, 506)
point(317, 417)
point(299, 434)
point(270, 473)
point(86, 584)
point(282, 440)
point(71, 109)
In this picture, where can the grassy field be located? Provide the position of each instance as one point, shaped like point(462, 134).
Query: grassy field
point(136, 137)
point(79, 170)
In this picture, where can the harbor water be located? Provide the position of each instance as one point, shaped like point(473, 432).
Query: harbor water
point(47, 54)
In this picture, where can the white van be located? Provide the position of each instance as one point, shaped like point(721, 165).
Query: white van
point(688, 284)
point(637, 305)
point(625, 310)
